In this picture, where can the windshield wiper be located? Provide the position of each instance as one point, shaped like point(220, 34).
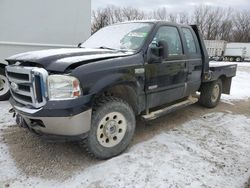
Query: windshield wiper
point(105, 47)
point(118, 50)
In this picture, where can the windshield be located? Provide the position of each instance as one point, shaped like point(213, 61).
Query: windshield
point(127, 36)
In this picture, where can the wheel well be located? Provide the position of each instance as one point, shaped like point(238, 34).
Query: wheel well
point(226, 84)
point(124, 92)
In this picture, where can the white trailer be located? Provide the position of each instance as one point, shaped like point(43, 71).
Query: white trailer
point(237, 52)
point(29, 25)
point(215, 48)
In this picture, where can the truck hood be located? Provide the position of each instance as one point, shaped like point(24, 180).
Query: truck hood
point(60, 59)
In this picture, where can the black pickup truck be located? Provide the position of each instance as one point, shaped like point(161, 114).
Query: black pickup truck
point(94, 92)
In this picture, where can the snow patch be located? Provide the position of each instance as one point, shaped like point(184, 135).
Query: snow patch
point(6, 118)
point(212, 150)
point(240, 89)
point(8, 169)
point(240, 83)
point(239, 64)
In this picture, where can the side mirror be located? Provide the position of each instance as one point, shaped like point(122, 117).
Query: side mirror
point(164, 50)
point(157, 52)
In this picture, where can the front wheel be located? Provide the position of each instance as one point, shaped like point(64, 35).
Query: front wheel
point(211, 94)
point(4, 86)
point(112, 128)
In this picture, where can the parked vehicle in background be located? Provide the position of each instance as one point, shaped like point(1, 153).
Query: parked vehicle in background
point(35, 25)
point(215, 49)
point(237, 52)
point(94, 93)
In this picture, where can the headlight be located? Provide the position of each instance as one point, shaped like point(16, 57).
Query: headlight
point(61, 87)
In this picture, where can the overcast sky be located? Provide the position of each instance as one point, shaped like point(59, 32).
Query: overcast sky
point(171, 5)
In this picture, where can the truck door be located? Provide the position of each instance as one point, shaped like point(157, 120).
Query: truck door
point(194, 60)
point(165, 80)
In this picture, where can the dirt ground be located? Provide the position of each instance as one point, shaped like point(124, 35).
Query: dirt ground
point(36, 157)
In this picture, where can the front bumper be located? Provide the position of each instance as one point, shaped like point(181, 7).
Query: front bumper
point(60, 118)
point(65, 126)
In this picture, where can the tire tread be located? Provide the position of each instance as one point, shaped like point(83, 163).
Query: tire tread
point(206, 92)
point(98, 104)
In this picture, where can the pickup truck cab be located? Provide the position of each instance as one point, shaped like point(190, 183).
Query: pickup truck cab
point(94, 93)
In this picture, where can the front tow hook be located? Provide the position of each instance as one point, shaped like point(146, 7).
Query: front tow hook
point(19, 119)
point(12, 110)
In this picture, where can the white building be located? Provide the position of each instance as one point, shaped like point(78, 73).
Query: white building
point(41, 24)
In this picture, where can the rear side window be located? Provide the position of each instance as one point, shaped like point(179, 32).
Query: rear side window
point(171, 36)
point(189, 40)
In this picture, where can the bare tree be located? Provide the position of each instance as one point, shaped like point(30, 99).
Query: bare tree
point(199, 17)
point(112, 14)
point(184, 18)
point(172, 17)
point(99, 19)
point(213, 20)
point(214, 23)
point(241, 22)
point(130, 13)
point(160, 14)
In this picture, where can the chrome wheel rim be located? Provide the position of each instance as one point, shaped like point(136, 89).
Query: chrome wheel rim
point(111, 129)
point(215, 93)
point(4, 86)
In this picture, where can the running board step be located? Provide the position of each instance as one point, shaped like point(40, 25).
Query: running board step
point(155, 114)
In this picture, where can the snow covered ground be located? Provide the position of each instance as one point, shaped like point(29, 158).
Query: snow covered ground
point(240, 89)
point(241, 64)
point(211, 150)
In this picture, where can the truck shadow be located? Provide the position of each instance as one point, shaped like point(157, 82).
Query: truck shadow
point(38, 158)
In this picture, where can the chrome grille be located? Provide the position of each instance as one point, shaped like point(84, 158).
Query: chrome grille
point(28, 85)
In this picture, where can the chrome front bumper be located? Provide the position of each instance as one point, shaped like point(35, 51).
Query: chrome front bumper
point(63, 126)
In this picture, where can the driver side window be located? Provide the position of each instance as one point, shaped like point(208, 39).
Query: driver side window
point(171, 35)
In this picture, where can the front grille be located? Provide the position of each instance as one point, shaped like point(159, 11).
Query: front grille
point(28, 85)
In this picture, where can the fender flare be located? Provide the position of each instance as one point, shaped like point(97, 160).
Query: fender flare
point(113, 80)
point(116, 80)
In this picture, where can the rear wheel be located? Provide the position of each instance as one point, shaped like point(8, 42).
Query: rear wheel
point(231, 59)
point(211, 93)
point(4, 86)
point(238, 59)
point(112, 128)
